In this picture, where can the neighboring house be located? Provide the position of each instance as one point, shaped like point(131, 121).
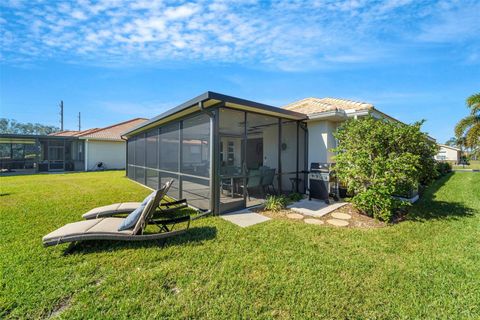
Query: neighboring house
point(225, 152)
point(66, 150)
point(448, 153)
point(104, 145)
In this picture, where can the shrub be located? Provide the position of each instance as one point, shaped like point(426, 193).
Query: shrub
point(276, 203)
point(376, 159)
point(443, 168)
point(294, 197)
point(379, 202)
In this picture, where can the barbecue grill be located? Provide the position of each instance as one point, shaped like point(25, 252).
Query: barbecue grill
point(322, 183)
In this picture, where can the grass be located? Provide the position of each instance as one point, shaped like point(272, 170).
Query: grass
point(474, 164)
point(427, 267)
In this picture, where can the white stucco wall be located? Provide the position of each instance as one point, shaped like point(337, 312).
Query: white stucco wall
point(320, 141)
point(111, 153)
point(448, 154)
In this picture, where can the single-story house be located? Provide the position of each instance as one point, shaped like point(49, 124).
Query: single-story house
point(104, 145)
point(66, 150)
point(448, 153)
point(225, 153)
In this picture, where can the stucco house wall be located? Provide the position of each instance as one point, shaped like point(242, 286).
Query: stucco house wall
point(447, 153)
point(111, 153)
point(321, 140)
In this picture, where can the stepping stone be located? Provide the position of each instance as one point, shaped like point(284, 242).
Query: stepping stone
point(295, 216)
point(338, 222)
point(340, 215)
point(313, 221)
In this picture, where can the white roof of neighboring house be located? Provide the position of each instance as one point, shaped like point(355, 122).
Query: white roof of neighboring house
point(449, 147)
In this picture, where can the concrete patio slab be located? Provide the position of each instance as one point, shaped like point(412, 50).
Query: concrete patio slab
point(244, 218)
point(314, 207)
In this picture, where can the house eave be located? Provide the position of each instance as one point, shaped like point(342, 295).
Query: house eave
point(101, 139)
point(334, 116)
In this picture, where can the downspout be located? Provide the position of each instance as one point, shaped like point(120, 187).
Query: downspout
point(306, 168)
point(86, 154)
point(126, 155)
point(211, 115)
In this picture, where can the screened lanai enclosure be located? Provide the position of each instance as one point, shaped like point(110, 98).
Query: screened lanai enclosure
point(36, 153)
point(224, 153)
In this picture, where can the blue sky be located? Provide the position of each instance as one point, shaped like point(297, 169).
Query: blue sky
point(115, 60)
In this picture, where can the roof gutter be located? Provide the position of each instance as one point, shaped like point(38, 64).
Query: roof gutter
point(329, 115)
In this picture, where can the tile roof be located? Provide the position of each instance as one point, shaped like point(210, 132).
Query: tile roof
point(316, 105)
point(72, 133)
point(112, 132)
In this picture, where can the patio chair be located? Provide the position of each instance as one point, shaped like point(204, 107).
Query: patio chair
point(267, 179)
point(254, 181)
point(227, 171)
point(108, 228)
point(166, 206)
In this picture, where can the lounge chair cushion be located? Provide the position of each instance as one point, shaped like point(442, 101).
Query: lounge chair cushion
point(100, 226)
point(131, 220)
point(124, 207)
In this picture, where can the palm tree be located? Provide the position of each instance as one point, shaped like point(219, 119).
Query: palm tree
point(468, 128)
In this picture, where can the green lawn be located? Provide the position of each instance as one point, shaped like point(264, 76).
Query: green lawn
point(427, 267)
point(474, 164)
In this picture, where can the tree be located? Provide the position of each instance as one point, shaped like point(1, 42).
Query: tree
point(378, 159)
point(11, 126)
point(453, 142)
point(468, 128)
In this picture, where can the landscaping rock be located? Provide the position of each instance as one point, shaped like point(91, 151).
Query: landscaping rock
point(313, 221)
point(337, 222)
point(340, 215)
point(295, 216)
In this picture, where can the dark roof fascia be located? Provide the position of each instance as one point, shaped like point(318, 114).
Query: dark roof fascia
point(209, 95)
point(35, 136)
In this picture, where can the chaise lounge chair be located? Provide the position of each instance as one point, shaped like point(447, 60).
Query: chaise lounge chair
point(110, 210)
point(108, 228)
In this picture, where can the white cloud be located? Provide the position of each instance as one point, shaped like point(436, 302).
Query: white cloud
point(180, 12)
point(298, 35)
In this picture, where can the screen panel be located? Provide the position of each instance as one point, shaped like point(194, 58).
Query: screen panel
point(196, 146)
point(169, 146)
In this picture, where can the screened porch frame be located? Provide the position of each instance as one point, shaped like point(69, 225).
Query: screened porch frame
point(214, 175)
